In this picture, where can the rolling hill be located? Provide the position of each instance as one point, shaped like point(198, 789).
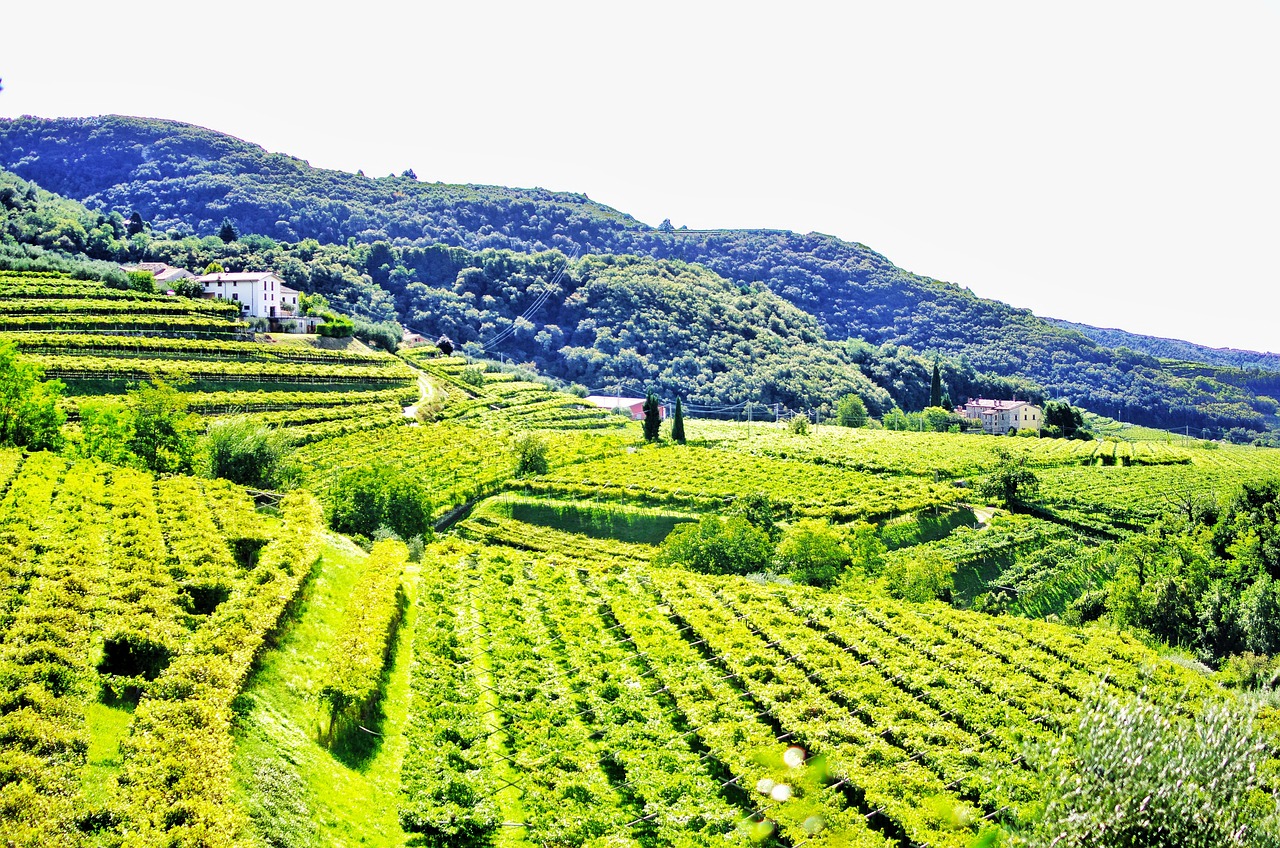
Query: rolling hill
point(184, 180)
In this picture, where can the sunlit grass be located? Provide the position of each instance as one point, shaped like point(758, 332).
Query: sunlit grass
point(296, 791)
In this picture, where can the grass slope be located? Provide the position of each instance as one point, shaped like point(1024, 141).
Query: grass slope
point(297, 792)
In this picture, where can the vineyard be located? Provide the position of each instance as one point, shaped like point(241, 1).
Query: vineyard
point(133, 613)
point(692, 710)
point(185, 665)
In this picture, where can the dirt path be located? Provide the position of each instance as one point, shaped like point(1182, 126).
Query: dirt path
point(426, 392)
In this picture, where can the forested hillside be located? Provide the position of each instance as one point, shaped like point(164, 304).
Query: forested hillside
point(375, 236)
point(1176, 349)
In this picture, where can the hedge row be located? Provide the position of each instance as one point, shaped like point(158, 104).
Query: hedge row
point(177, 760)
point(46, 676)
point(353, 680)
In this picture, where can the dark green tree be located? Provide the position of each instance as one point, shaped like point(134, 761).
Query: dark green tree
point(1012, 484)
point(135, 224)
point(1063, 420)
point(677, 424)
point(227, 232)
point(532, 456)
point(652, 417)
point(935, 386)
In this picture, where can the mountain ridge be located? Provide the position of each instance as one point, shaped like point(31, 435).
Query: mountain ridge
point(190, 180)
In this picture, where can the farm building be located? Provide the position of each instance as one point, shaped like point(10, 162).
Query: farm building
point(260, 294)
point(634, 406)
point(164, 275)
point(1001, 416)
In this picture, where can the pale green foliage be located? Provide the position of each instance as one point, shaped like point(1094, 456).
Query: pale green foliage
point(29, 413)
point(866, 549)
point(799, 426)
point(1140, 776)
point(813, 552)
point(923, 575)
point(106, 428)
point(717, 546)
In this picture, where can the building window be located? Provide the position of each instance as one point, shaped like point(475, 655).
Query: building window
point(235, 296)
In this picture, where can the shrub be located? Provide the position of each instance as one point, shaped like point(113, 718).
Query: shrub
point(1137, 775)
point(141, 281)
point(799, 425)
point(923, 575)
point(717, 546)
point(813, 552)
point(247, 453)
point(336, 327)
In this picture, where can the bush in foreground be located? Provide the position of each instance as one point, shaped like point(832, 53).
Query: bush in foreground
point(1140, 776)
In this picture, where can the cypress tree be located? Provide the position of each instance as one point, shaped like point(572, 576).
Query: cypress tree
point(935, 386)
point(652, 418)
point(677, 424)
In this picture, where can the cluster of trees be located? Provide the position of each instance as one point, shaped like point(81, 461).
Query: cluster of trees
point(150, 428)
point(749, 539)
point(1207, 579)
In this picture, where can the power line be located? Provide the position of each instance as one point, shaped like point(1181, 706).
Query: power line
point(542, 298)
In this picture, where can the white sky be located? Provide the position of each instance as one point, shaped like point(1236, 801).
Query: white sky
point(1115, 163)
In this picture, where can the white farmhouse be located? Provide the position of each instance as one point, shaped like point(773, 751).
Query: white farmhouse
point(1000, 416)
point(260, 294)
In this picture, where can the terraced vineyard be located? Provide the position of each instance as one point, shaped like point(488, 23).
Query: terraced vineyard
point(929, 454)
point(115, 592)
point(708, 479)
point(502, 397)
point(699, 710)
point(184, 668)
point(100, 340)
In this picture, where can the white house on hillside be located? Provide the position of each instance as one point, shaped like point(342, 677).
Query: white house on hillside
point(1001, 416)
point(260, 294)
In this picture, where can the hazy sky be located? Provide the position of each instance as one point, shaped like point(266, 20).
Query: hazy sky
point(1116, 163)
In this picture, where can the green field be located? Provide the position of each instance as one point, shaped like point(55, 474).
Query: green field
point(185, 665)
